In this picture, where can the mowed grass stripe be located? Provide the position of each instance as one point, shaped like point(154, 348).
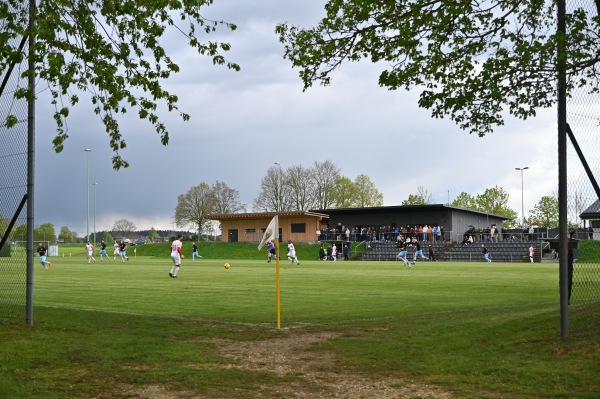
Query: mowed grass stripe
point(315, 292)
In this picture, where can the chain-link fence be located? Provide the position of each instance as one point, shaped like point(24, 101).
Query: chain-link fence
point(13, 189)
point(583, 118)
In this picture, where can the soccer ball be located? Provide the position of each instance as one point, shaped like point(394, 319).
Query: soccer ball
point(227, 265)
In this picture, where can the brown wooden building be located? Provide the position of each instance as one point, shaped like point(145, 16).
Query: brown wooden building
point(250, 227)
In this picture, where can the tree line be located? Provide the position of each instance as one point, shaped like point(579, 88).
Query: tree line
point(296, 188)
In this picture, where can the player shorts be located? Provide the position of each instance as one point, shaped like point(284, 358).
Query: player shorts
point(402, 254)
point(176, 258)
point(103, 252)
point(291, 254)
point(42, 259)
point(116, 252)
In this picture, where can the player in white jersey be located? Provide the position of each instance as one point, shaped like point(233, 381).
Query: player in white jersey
point(115, 251)
point(176, 256)
point(292, 253)
point(90, 252)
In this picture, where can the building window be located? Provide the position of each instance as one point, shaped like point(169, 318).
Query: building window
point(250, 231)
point(298, 227)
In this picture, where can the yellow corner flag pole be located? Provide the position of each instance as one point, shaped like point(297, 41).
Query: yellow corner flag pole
point(272, 231)
point(278, 289)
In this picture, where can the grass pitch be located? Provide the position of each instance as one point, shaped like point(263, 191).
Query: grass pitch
point(118, 330)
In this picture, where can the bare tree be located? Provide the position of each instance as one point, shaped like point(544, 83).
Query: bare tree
point(300, 187)
point(324, 176)
point(227, 199)
point(193, 206)
point(123, 227)
point(424, 193)
point(577, 204)
point(272, 195)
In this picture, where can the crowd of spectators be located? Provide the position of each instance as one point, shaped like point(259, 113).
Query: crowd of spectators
point(382, 233)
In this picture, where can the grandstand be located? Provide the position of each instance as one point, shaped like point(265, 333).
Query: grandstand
point(502, 251)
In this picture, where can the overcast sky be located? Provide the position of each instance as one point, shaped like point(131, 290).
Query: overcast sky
point(243, 122)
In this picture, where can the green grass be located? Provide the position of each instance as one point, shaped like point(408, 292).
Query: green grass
point(212, 250)
point(474, 330)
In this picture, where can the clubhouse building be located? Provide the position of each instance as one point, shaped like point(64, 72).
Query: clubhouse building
point(302, 226)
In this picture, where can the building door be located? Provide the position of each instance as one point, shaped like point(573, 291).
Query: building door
point(233, 235)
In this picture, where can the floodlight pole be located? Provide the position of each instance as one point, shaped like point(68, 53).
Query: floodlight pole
point(95, 184)
point(278, 188)
point(87, 231)
point(522, 201)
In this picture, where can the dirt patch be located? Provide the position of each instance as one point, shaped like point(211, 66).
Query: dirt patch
point(315, 372)
point(309, 371)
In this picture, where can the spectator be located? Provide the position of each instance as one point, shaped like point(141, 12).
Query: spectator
point(431, 253)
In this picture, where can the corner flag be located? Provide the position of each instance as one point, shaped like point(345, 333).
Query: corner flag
point(271, 232)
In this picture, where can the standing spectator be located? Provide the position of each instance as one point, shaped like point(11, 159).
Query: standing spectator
point(176, 256)
point(347, 234)
point(292, 253)
point(431, 254)
point(318, 235)
point(103, 250)
point(486, 254)
point(531, 232)
point(531, 253)
point(90, 252)
point(441, 233)
point(322, 255)
point(345, 252)
point(43, 254)
point(334, 252)
point(195, 252)
point(329, 250)
point(430, 233)
point(123, 251)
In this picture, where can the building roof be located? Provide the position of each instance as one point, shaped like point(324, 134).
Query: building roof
point(405, 208)
point(592, 212)
point(264, 215)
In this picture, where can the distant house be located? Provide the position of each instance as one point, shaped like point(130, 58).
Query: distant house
point(302, 226)
point(250, 227)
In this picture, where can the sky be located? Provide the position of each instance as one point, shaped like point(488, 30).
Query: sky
point(243, 122)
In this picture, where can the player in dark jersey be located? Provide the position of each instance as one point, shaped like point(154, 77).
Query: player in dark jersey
point(418, 251)
point(486, 254)
point(123, 251)
point(43, 253)
point(195, 252)
point(103, 250)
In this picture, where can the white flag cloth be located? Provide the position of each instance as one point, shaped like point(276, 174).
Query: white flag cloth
point(271, 232)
